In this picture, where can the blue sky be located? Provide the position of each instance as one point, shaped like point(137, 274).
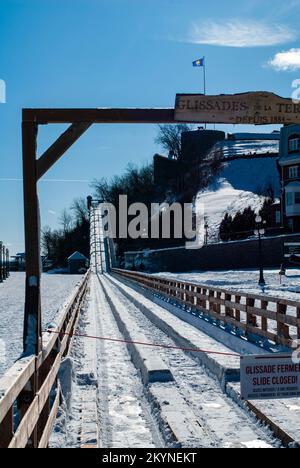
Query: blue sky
point(118, 53)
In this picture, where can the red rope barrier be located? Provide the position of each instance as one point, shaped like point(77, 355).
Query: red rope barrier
point(142, 343)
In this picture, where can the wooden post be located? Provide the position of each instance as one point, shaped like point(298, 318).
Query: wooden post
point(32, 319)
point(264, 320)
point(251, 319)
point(237, 311)
point(228, 310)
point(32, 338)
point(282, 329)
point(211, 303)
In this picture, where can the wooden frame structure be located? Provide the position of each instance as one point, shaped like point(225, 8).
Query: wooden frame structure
point(80, 120)
point(36, 376)
point(36, 167)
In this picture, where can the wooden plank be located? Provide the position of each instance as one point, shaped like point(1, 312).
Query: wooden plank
point(43, 444)
point(50, 339)
point(7, 429)
point(13, 382)
point(255, 108)
point(276, 316)
point(234, 305)
point(46, 388)
point(273, 299)
point(61, 145)
point(279, 433)
point(27, 426)
point(104, 115)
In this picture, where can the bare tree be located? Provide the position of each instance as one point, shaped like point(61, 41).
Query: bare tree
point(46, 241)
point(80, 210)
point(65, 220)
point(169, 137)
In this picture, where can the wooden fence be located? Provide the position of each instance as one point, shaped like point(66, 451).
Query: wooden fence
point(271, 318)
point(4, 262)
point(29, 392)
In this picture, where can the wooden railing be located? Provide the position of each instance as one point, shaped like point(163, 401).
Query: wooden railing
point(271, 318)
point(27, 416)
point(4, 262)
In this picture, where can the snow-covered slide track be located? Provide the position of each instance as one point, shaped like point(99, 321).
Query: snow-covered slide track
point(191, 411)
point(124, 416)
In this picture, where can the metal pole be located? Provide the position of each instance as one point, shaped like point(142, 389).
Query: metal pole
point(204, 81)
point(261, 270)
point(204, 76)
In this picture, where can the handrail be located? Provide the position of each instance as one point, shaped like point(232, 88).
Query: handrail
point(36, 411)
point(247, 313)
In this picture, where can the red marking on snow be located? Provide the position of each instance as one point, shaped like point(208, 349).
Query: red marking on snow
point(142, 343)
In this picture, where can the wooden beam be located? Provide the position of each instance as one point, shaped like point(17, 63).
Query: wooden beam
point(60, 146)
point(44, 442)
point(13, 382)
point(126, 116)
point(32, 320)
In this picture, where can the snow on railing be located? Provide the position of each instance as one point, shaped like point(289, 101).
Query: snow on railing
point(30, 393)
point(268, 318)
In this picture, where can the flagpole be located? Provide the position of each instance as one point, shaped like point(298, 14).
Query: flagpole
point(204, 75)
point(204, 80)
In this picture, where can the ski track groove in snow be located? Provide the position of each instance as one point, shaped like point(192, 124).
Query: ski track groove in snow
point(223, 422)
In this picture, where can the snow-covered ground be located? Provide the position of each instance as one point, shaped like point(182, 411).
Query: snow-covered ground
point(246, 281)
point(252, 175)
point(222, 198)
point(236, 189)
point(55, 290)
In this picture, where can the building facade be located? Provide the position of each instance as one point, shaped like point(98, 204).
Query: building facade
point(289, 165)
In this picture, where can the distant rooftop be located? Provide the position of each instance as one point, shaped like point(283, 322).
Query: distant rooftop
point(77, 256)
point(275, 135)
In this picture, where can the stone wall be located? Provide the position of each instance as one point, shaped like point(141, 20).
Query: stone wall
point(223, 256)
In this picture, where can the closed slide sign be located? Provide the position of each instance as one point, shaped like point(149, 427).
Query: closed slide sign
point(269, 377)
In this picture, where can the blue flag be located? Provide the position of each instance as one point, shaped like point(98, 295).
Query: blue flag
point(199, 62)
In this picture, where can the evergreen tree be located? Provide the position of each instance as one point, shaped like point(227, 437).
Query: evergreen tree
point(225, 231)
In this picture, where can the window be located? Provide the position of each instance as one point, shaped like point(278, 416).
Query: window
point(289, 199)
point(294, 143)
point(291, 224)
point(297, 198)
point(278, 217)
point(294, 172)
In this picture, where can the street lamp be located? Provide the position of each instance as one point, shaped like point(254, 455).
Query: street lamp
point(206, 233)
point(259, 232)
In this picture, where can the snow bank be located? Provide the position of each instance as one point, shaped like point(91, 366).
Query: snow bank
point(222, 198)
point(246, 281)
point(55, 290)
